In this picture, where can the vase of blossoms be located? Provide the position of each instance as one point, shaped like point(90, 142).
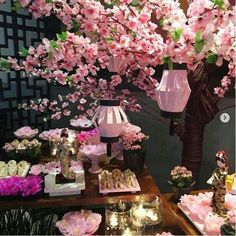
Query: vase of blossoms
point(134, 151)
point(181, 181)
point(28, 150)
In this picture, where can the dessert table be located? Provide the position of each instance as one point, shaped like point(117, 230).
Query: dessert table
point(90, 198)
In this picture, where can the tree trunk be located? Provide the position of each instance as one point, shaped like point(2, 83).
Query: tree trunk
point(200, 110)
point(192, 145)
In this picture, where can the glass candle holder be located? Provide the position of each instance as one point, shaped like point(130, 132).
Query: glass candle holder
point(147, 215)
point(117, 217)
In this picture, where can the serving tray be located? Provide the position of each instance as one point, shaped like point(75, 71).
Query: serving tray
point(196, 224)
point(118, 190)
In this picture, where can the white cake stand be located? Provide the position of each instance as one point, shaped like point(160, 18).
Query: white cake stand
point(95, 153)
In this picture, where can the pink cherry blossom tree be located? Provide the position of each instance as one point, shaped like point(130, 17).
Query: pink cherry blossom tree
point(137, 35)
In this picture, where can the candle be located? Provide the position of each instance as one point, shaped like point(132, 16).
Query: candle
point(151, 215)
point(140, 212)
point(113, 221)
point(127, 232)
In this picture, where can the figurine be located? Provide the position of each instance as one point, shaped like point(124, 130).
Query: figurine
point(218, 184)
point(67, 151)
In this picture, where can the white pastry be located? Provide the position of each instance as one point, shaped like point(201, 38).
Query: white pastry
point(12, 168)
point(2, 164)
point(4, 171)
point(21, 166)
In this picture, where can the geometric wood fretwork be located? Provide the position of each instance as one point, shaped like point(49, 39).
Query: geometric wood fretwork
point(18, 29)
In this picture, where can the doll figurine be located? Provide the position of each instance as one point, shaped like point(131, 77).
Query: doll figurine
point(66, 155)
point(218, 184)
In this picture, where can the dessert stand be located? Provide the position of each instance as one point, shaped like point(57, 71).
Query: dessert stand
point(63, 189)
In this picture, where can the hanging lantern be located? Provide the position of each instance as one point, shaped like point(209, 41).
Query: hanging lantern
point(173, 92)
point(109, 117)
point(117, 63)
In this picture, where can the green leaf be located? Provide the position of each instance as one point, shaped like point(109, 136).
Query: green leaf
point(54, 44)
point(219, 3)
point(198, 36)
point(69, 79)
point(62, 36)
point(161, 22)
point(167, 60)
point(134, 34)
point(48, 1)
point(110, 39)
point(75, 25)
point(212, 58)
point(199, 42)
point(176, 34)
point(134, 3)
point(24, 52)
point(17, 6)
point(4, 64)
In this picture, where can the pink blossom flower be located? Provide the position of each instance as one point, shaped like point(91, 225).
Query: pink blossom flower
point(144, 18)
point(219, 91)
point(115, 80)
point(25, 132)
point(91, 12)
point(232, 217)
point(212, 224)
point(37, 169)
point(24, 3)
point(51, 167)
point(79, 223)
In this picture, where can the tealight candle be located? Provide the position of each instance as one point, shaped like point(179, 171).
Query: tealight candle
point(140, 212)
point(127, 232)
point(151, 215)
point(113, 221)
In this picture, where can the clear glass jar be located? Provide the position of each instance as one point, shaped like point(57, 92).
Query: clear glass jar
point(117, 217)
point(148, 215)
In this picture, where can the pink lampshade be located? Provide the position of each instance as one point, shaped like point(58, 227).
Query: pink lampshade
point(173, 92)
point(109, 118)
point(116, 63)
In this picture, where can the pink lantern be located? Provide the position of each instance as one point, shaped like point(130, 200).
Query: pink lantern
point(117, 64)
point(173, 91)
point(110, 118)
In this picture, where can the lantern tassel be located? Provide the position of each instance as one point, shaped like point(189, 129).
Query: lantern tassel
point(173, 125)
point(171, 128)
point(109, 149)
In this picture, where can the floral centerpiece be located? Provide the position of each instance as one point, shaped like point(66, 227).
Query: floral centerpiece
point(26, 150)
point(26, 132)
point(134, 151)
point(181, 181)
point(15, 186)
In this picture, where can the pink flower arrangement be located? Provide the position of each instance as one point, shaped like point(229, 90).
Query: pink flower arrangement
point(134, 141)
point(79, 223)
point(91, 137)
point(25, 132)
point(53, 167)
point(52, 134)
point(14, 186)
point(212, 224)
point(198, 207)
point(181, 177)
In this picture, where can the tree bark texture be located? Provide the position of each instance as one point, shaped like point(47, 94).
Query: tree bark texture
point(200, 110)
